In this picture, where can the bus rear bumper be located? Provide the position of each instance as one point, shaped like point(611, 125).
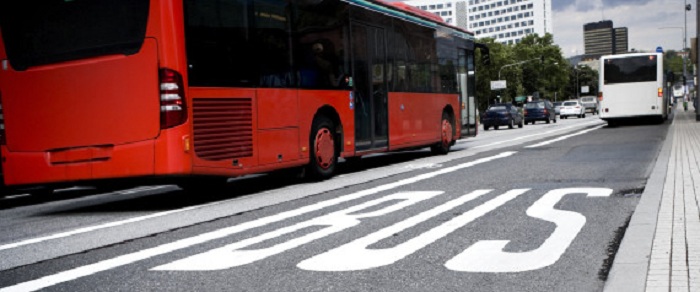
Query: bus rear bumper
point(78, 164)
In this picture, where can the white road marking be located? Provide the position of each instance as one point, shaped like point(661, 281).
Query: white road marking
point(97, 227)
point(564, 137)
point(533, 135)
point(356, 256)
point(119, 261)
point(488, 255)
point(424, 165)
point(234, 255)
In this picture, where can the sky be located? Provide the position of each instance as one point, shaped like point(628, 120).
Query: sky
point(643, 18)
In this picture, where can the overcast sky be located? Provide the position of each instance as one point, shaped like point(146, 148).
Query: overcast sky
point(643, 18)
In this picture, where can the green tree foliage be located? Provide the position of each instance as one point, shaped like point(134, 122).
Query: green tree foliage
point(548, 75)
point(543, 70)
point(674, 62)
point(586, 77)
point(500, 56)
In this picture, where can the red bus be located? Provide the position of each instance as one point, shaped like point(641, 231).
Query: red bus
point(103, 89)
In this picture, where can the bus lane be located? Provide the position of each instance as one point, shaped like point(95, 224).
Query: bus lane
point(488, 225)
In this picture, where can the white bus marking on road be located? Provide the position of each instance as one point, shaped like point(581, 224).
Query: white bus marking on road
point(234, 255)
point(356, 256)
point(119, 261)
point(488, 255)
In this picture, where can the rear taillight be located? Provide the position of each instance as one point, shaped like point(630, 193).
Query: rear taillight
point(524, 112)
point(661, 92)
point(173, 110)
point(2, 123)
point(600, 96)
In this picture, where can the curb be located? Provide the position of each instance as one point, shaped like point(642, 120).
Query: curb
point(631, 264)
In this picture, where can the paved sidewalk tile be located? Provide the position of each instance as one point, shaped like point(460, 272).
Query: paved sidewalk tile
point(669, 221)
point(674, 263)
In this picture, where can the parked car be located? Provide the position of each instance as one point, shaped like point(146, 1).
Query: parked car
point(557, 107)
point(572, 108)
point(502, 114)
point(590, 104)
point(539, 110)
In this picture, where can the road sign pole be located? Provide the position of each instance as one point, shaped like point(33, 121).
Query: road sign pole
point(697, 33)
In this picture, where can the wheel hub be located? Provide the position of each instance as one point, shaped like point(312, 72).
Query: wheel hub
point(446, 132)
point(324, 148)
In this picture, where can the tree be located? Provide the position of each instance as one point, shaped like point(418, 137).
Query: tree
point(586, 77)
point(535, 64)
point(549, 76)
point(500, 56)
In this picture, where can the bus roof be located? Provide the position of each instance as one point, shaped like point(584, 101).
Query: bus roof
point(619, 56)
point(409, 13)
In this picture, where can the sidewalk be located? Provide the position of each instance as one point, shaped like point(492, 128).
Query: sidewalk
point(661, 247)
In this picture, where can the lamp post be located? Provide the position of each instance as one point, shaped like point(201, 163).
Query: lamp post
point(577, 87)
point(687, 7)
point(697, 34)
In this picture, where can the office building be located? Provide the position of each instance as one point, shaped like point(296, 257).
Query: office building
point(621, 40)
point(507, 21)
point(601, 38)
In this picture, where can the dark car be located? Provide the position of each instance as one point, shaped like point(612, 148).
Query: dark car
point(539, 110)
point(502, 114)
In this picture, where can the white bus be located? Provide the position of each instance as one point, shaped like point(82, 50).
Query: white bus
point(631, 86)
point(678, 90)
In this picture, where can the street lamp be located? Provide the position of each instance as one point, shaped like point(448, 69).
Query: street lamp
point(515, 64)
point(578, 88)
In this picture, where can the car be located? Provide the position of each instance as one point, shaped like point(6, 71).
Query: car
point(590, 104)
point(572, 108)
point(502, 114)
point(539, 110)
point(557, 107)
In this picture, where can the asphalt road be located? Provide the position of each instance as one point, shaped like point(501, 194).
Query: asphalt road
point(535, 209)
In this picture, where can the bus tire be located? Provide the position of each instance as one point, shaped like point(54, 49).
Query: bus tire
point(446, 136)
point(323, 155)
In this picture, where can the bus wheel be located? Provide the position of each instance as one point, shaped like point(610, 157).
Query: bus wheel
point(446, 136)
point(324, 157)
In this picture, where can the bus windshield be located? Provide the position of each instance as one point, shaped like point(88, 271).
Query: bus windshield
point(630, 69)
point(60, 31)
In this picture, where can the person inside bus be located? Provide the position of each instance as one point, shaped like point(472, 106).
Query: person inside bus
point(323, 66)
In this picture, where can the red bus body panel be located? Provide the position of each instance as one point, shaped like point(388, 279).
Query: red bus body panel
point(415, 117)
point(99, 118)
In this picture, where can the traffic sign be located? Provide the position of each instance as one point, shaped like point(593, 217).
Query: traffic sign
point(498, 84)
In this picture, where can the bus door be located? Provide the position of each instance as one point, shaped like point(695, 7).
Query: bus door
point(467, 84)
point(370, 88)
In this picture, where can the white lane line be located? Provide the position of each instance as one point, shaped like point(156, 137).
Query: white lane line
point(98, 227)
point(564, 137)
point(534, 135)
point(105, 265)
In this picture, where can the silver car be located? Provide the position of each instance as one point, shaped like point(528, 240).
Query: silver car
point(557, 107)
point(590, 103)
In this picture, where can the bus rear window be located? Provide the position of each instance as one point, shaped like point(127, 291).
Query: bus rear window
point(40, 32)
point(630, 69)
